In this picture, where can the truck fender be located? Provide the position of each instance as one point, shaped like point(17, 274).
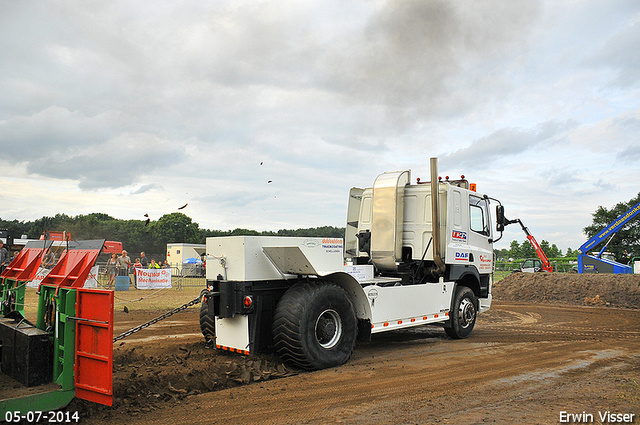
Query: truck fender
point(354, 290)
point(460, 272)
point(470, 277)
point(358, 299)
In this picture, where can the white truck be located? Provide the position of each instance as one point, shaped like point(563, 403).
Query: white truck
point(405, 261)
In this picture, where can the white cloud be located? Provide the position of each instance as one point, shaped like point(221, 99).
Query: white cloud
point(506, 142)
point(128, 109)
point(620, 53)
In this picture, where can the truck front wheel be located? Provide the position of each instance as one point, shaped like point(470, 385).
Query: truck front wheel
point(314, 325)
point(462, 318)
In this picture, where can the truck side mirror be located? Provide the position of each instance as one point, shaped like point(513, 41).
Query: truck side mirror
point(500, 218)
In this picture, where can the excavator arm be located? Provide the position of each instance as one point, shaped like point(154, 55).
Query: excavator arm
point(546, 264)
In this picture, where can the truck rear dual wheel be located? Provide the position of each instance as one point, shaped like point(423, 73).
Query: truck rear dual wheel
point(207, 323)
point(462, 317)
point(315, 326)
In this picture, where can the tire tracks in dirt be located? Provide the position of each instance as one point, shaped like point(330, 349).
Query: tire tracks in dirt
point(527, 355)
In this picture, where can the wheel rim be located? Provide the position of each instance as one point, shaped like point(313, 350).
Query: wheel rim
point(467, 313)
point(328, 328)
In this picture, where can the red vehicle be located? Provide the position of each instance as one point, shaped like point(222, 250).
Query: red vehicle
point(111, 247)
point(55, 236)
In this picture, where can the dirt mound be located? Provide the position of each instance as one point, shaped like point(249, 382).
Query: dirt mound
point(613, 290)
point(145, 380)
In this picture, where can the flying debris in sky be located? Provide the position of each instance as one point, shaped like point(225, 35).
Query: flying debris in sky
point(146, 223)
point(184, 206)
point(371, 106)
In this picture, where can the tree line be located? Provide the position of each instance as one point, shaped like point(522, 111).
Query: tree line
point(149, 236)
point(153, 236)
point(523, 250)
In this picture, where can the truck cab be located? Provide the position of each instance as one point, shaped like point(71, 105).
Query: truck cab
point(400, 242)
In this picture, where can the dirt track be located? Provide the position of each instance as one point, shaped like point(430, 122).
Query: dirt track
point(524, 363)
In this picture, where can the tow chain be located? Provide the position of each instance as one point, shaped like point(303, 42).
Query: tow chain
point(138, 328)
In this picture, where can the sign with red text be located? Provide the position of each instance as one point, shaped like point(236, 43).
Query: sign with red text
point(153, 278)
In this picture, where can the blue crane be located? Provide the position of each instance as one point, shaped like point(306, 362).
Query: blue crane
point(596, 264)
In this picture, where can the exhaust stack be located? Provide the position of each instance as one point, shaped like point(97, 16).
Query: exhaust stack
point(435, 218)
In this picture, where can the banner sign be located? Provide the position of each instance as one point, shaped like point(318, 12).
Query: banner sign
point(37, 279)
point(92, 279)
point(153, 278)
point(91, 282)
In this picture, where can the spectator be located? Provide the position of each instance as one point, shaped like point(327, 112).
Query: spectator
point(49, 260)
point(112, 265)
point(144, 260)
point(136, 265)
point(4, 257)
point(124, 262)
point(153, 264)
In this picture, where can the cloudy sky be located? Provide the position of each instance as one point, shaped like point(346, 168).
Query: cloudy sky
point(262, 114)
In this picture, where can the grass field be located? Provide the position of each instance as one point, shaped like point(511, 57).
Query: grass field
point(499, 275)
point(148, 299)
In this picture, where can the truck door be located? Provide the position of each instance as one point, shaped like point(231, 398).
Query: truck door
point(481, 253)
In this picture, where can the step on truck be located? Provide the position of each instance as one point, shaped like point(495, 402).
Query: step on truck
point(405, 261)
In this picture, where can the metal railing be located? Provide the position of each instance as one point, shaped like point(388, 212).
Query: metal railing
point(557, 267)
point(178, 279)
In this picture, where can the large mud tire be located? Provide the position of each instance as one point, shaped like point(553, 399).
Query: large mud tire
point(207, 323)
point(462, 317)
point(315, 326)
